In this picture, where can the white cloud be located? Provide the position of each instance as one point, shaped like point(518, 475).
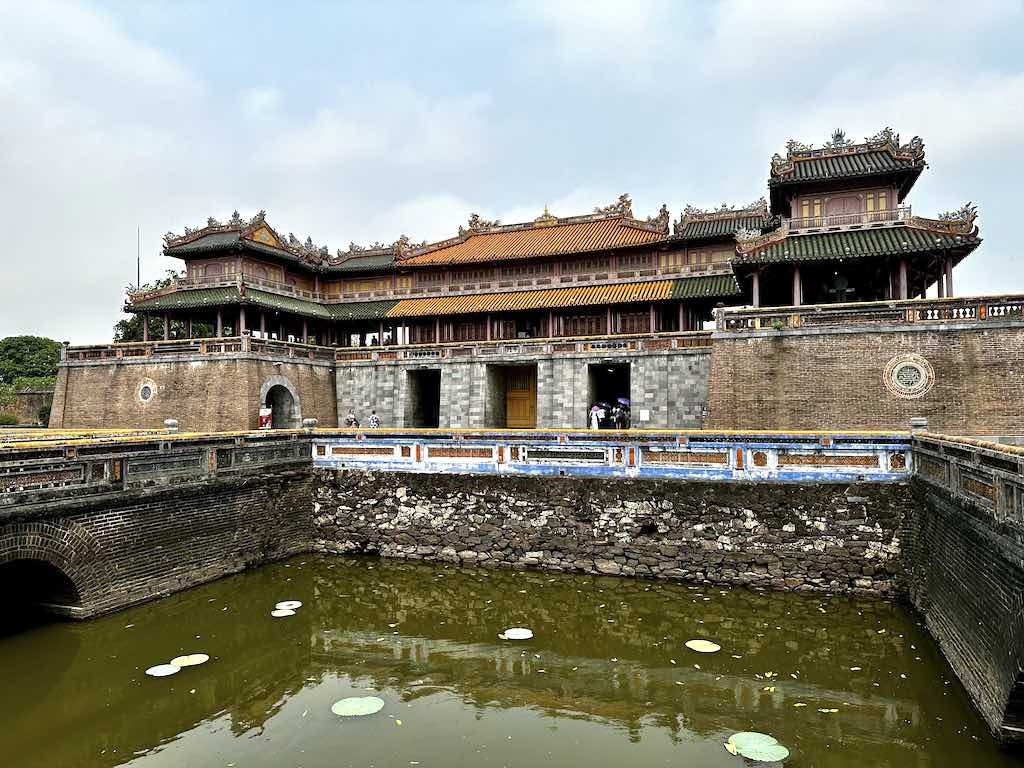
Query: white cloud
point(259, 103)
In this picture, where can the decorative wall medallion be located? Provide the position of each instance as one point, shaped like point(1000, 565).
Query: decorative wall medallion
point(908, 376)
point(146, 391)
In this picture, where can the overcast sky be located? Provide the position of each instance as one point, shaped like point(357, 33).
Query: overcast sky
point(364, 121)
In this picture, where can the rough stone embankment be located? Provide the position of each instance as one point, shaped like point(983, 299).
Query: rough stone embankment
point(824, 537)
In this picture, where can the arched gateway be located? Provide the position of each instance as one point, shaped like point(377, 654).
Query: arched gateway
point(279, 395)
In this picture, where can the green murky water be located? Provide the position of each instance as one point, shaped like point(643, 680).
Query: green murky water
point(605, 682)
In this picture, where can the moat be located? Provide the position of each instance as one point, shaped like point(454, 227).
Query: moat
point(605, 681)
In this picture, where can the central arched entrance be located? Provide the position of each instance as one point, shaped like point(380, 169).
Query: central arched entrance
point(282, 407)
point(33, 592)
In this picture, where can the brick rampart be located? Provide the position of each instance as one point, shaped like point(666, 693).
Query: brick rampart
point(829, 378)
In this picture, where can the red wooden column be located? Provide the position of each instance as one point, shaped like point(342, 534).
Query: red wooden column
point(488, 328)
point(437, 330)
point(145, 327)
point(380, 335)
point(167, 327)
point(608, 322)
point(220, 324)
point(241, 321)
point(798, 288)
point(653, 327)
point(903, 282)
point(263, 324)
point(305, 332)
point(188, 328)
point(755, 288)
point(949, 277)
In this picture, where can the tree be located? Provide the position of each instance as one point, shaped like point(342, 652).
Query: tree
point(130, 328)
point(28, 356)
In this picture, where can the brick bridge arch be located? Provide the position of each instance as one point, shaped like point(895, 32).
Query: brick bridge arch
point(66, 546)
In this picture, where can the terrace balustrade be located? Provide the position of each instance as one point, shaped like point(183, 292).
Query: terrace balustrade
point(859, 220)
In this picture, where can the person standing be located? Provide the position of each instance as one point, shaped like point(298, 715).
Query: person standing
point(351, 421)
point(374, 420)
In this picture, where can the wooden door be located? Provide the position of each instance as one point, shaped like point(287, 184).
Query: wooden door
point(521, 398)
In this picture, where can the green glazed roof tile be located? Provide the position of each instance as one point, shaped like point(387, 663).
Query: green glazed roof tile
point(704, 286)
point(700, 230)
point(887, 241)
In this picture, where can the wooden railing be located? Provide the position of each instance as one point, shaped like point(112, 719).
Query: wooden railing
point(212, 346)
point(965, 309)
point(848, 220)
point(606, 277)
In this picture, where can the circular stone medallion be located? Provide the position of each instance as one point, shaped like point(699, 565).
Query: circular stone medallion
point(908, 376)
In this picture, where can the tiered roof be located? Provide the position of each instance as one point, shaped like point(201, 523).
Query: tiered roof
point(954, 230)
point(840, 158)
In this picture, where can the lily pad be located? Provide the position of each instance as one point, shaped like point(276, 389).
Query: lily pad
point(191, 660)
point(163, 670)
point(703, 646)
point(277, 613)
point(288, 605)
point(357, 706)
point(516, 633)
point(759, 747)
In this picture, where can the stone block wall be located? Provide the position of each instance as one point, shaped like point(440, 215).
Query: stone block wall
point(832, 378)
point(823, 537)
point(672, 386)
point(203, 392)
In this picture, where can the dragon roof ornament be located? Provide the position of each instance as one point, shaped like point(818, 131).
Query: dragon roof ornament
point(748, 240)
point(692, 213)
point(624, 206)
point(839, 144)
point(306, 251)
point(958, 222)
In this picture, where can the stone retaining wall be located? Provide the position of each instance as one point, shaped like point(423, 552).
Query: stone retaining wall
point(839, 538)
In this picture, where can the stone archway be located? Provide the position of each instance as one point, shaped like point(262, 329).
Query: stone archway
point(278, 394)
point(51, 566)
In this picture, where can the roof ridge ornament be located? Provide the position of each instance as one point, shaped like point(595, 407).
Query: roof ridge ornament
point(662, 219)
point(545, 219)
point(839, 144)
point(692, 213)
point(958, 222)
point(623, 206)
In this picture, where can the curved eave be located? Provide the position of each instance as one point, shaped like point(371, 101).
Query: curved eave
point(778, 186)
point(882, 242)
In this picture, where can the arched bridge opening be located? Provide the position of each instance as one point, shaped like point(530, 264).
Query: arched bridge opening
point(35, 592)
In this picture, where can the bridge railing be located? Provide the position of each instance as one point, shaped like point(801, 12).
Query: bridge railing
point(794, 456)
point(989, 475)
point(51, 469)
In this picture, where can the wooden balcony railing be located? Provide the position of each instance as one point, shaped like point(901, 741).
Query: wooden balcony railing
point(850, 220)
point(334, 296)
point(964, 309)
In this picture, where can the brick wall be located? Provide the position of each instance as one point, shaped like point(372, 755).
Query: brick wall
point(147, 545)
point(826, 537)
point(832, 379)
point(202, 392)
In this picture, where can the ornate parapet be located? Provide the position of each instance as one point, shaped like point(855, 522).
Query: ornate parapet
point(958, 222)
point(748, 240)
point(725, 211)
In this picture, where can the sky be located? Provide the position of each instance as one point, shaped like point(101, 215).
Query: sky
point(360, 122)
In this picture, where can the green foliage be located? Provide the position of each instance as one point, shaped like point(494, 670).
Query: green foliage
point(7, 420)
point(130, 329)
point(35, 383)
point(6, 395)
point(28, 356)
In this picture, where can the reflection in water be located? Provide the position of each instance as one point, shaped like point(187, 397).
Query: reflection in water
point(606, 680)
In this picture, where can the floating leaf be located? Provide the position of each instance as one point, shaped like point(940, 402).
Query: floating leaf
point(357, 706)
point(277, 613)
point(730, 748)
point(163, 670)
point(191, 660)
point(703, 646)
point(516, 633)
point(288, 605)
point(759, 747)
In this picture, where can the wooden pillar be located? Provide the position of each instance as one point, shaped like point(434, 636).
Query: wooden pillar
point(220, 324)
point(437, 330)
point(798, 288)
point(903, 282)
point(488, 327)
point(241, 321)
point(380, 334)
point(939, 283)
point(305, 332)
point(551, 324)
point(280, 330)
point(263, 324)
point(608, 322)
point(949, 277)
point(653, 325)
point(188, 328)
point(145, 327)
point(683, 325)
point(755, 288)
point(167, 327)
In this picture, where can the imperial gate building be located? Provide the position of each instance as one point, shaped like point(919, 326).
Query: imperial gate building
point(528, 324)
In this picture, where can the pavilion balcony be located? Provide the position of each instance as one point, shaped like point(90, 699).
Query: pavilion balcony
point(860, 220)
